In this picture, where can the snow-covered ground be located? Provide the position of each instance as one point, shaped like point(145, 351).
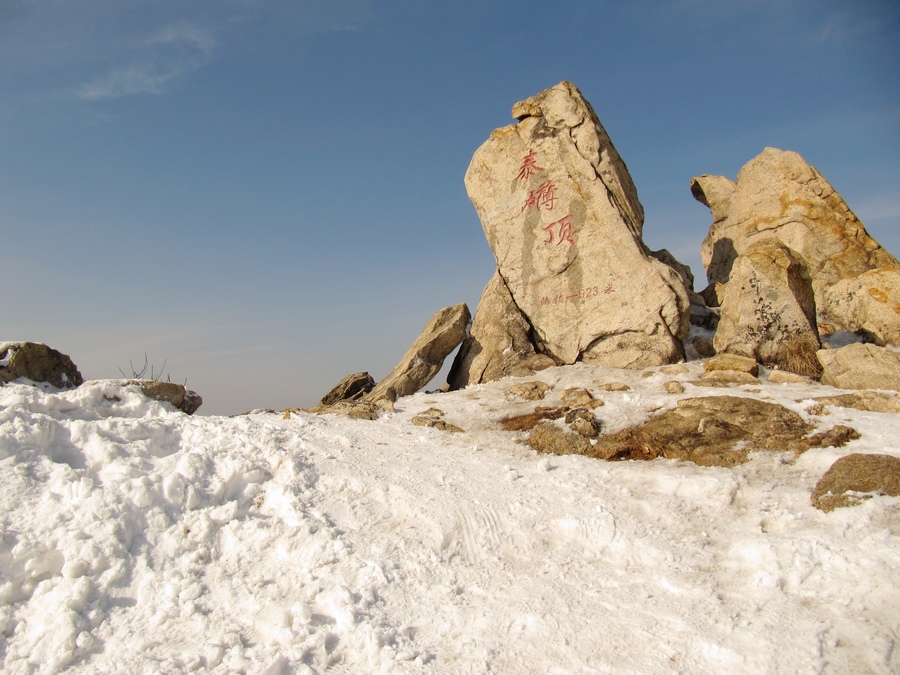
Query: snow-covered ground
point(136, 539)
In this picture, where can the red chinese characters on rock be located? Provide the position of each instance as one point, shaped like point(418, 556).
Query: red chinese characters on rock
point(544, 199)
point(529, 166)
point(564, 231)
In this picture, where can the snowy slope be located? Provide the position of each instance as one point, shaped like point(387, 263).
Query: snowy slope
point(137, 539)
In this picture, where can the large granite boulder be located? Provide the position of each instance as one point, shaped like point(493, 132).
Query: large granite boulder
point(499, 343)
point(861, 366)
point(444, 332)
point(768, 311)
point(868, 304)
point(778, 196)
point(38, 363)
point(563, 220)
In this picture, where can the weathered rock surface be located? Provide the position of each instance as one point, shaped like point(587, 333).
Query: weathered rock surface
point(350, 388)
point(673, 387)
point(177, 395)
point(729, 377)
point(868, 304)
point(562, 217)
point(768, 311)
point(39, 363)
point(855, 478)
point(744, 364)
point(705, 346)
point(779, 196)
point(785, 377)
point(578, 397)
point(530, 420)
point(500, 342)
point(860, 366)
point(433, 418)
point(357, 410)
point(531, 391)
point(715, 431)
point(549, 438)
point(871, 401)
point(684, 271)
point(422, 361)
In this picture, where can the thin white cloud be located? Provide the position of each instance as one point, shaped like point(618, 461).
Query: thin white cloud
point(156, 61)
point(129, 81)
point(183, 35)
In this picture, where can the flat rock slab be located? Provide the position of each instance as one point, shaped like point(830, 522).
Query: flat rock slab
point(870, 401)
point(860, 366)
point(711, 431)
point(744, 364)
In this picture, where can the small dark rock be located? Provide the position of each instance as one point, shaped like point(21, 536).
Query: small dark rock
point(38, 363)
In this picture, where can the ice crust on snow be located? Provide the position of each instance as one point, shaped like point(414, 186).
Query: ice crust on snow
point(134, 538)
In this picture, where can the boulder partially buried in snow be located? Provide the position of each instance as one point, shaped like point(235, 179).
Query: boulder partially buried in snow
point(563, 220)
point(768, 311)
point(177, 395)
point(38, 363)
point(855, 478)
point(422, 361)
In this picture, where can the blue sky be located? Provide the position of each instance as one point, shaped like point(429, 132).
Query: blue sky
point(268, 196)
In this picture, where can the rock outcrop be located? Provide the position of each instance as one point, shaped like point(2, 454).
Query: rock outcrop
point(563, 220)
point(38, 363)
point(351, 388)
point(716, 431)
point(768, 311)
point(778, 197)
point(860, 366)
point(444, 332)
point(868, 304)
point(500, 342)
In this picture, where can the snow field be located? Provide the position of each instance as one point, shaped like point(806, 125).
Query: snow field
point(138, 539)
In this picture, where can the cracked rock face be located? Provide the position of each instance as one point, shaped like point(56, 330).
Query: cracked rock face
point(563, 220)
point(768, 312)
point(779, 197)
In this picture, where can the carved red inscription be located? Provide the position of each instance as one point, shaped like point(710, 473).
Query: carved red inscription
point(542, 198)
point(529, 166)
point(564, 231)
